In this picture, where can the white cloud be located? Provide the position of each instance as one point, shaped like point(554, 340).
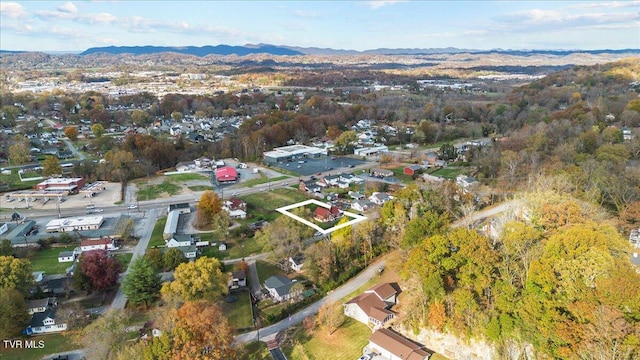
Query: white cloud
point(608, 5)
point(68, 7)
point(12, 10)
point(377, 4)
point(547, 20)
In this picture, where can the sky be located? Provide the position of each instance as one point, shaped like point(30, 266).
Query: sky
point(56, 26)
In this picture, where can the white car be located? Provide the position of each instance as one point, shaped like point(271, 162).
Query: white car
point(364, 357)
point(133, 206)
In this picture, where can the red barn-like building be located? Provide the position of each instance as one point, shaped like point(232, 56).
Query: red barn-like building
point(226, 174)
point(72, 185)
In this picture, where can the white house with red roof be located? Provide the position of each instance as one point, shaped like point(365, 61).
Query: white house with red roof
point(98, 244)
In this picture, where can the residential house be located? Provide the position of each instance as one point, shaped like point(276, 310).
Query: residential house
point(356, 195)
point(66, 256)
point(379, 198)
point(323, 214)
point(361, 205)
point(279, 288)
point(331, 180)
point(185, 166)
point(190, 252)
point(43, 314)
point(393, 346)
point(222, 247)
point(98, 244)
point(38, 276)
point(236, 208)
point(44, 322)
point(381, 173)
point(179, 240)
point(295, 262)
point(310, 186)
point(372, 306)
point(237, 279)
point(57, 286)
point(465, 181)
point(3, 228)
point(40, 305)
point(350, 178)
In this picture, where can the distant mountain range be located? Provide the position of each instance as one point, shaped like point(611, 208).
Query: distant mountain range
point(250, 49)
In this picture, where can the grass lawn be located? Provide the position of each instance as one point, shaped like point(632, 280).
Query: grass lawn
point(156, 236)
point(150, 192)
point(199, 188)
point(125, 259)
point(345, 343)
point(47, 260)
point(399, 173)
point(14, 182)
point(262, 205)
point(53, 343)
point(187, 177)
point(448, 172)
point(267, 270)
point(236, 247)
point(263, 180)
point(256, 350)
point(239, 312)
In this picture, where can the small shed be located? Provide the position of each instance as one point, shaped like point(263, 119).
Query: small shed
point(412, 170)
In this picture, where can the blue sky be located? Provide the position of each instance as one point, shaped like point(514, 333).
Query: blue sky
point(358, 25)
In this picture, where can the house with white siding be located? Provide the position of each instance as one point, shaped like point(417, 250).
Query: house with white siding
point(372, 306)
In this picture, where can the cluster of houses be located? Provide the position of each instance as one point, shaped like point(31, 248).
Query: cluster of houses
point(43, 317)
point(373, 308)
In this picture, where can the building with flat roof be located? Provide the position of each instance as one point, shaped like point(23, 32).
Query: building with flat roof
point(74, 224)
point(292, 152)
point(72, 185)
point(171, 226)
point(368, 151)
point(3, 228)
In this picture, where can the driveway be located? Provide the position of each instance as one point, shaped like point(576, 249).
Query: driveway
point(120, 300)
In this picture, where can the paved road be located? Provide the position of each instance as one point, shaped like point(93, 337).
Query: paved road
point(80, 156)
point(277, 354)
point(120, 300)
point(486, 213)
point(336, 295)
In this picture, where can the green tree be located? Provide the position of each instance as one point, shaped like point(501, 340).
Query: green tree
point(173, 258)
point(282, 238)
point(51, 166)
point(13, 312)
point(448, 151)
point(140, 117)
point(125, 229)
point(97, 130)
point(200, 279)
point(156, 259)
point(5, 248)
point(420, 227)
point(143, 283)
point(11, 113)
point(15, 274)
point(71, 133)
point(159, 348)
point(119, 164)
point(344, 142)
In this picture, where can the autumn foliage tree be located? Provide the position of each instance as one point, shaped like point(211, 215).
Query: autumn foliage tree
point(13, 311)
point(101, 269)
point(200, 279)
point(208, 206)
point(196, 336)
point(330, 316)
point(71, 133)
point(51, 166)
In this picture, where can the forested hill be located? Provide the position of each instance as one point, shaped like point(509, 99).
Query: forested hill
point(293, 50)
point(194, 50)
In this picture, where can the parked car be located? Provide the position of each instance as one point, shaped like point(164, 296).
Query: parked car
point(364, 357)
point(133, 206)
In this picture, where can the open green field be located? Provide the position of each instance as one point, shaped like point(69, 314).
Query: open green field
point(14, 182)
point(125, 259)
point(150, 192)
point(399, 173)
point(187, 177)
point(448, 172)
point(156, 236)
point(263, 180)
point(267, 270)
point(262, 205)
point(345, 343)
point(47, 260)
point(199, 187)
point(53, 343)
point(239, 312)
point(236, 247)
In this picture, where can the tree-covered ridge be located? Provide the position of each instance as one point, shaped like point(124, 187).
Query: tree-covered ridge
point(553, 278)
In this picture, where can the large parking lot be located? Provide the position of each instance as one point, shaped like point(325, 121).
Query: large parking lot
point(306, 167)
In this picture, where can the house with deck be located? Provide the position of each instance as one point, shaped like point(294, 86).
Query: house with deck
point(372, 306)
